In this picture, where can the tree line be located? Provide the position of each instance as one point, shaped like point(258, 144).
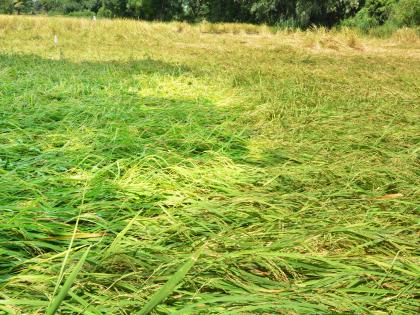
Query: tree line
point(291, 13)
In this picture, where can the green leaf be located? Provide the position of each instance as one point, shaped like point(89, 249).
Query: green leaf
point(170, 285)
point(59, 298)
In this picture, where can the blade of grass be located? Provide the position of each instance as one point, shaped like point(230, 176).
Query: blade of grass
point(58, 299)
point(73, 236)
point(118, 238)
point(170, 285)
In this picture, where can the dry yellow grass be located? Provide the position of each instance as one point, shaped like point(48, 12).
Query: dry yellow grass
point(104, 38)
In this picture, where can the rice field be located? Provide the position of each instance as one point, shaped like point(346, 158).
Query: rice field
point(207, 169)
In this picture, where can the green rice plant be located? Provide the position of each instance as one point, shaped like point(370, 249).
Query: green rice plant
point(169, 286)
point(58, 299)
point(294, 163)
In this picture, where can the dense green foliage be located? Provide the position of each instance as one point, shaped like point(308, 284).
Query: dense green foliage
point(386, 15)
point(301, 13)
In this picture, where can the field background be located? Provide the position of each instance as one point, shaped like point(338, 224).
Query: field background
point(257, 172)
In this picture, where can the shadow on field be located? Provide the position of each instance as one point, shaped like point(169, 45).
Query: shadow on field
point(62, 123)
point(104, 107)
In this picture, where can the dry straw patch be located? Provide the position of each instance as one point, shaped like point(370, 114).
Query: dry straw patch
point(406, 36)
point(319, 40)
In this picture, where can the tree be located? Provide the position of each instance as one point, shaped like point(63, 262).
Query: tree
point(115, 7)
point(326, 13)
point(16, 6)
point(380, 10)
point(6, 6)
point(163, 10)
point(406, 13)
point(69, 6)
point(301, 13)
